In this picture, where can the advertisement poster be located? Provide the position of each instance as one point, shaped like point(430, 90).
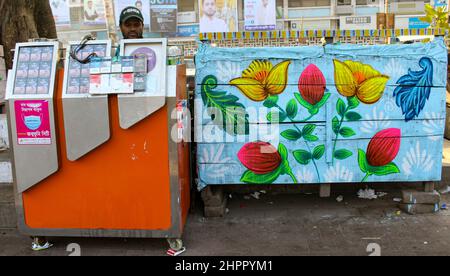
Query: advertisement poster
point(61, 12)
point(143, 5)
point(79, 74)
point(33, 122)
point(218, 16)
point(440, 3)
point(163, 14)
point(94, 12)
point(33, 73)
point(260, 15)
point(188, 30)
point(416, 23)
point(358, 22)
point(155, 65)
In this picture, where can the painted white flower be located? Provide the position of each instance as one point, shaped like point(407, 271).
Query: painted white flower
point(375, 122)
point(338, 173)
point(432, 125)
point(388, 101)
point(227, 70)
point(395, 70)
point(212, 162)
point(417, 161)
point(305, 176)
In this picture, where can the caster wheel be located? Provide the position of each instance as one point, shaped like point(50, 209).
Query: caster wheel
point(175, 244)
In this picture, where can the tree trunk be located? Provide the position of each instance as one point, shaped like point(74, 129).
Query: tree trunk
point(22, 20)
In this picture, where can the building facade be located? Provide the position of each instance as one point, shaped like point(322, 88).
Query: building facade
point(291, 15)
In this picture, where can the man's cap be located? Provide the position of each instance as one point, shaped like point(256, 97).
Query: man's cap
point(131, 12)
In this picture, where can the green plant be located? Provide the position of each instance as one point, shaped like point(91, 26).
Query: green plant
point(437, 17)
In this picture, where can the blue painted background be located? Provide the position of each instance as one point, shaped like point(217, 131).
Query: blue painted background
point(420, 154)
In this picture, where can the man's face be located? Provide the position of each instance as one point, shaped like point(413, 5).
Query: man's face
point(139, 6)
point(265, 3)
point(209, 7)
point(133, 28)
point(90, 4)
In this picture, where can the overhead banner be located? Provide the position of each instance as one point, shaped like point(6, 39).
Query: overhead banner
point(440, 3)
point(260, 15)
point(142, 5)
point(163, 14)
point(188, 30)
point(368, 22)
point(218, 16)
point(94, 12)
point(416, 23)
point(61, 12)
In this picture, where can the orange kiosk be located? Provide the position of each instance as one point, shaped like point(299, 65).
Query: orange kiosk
point(98, 165)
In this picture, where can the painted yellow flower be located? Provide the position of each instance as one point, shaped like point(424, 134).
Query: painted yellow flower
point(262, 80)
point(360, 80)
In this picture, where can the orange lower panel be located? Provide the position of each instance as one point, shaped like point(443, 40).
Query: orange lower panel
point(122, 185)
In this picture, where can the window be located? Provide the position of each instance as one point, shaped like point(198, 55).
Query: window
point(425, 1)
point(186, 5)
point(280, 6)
point(309, 3)
point(344, 2)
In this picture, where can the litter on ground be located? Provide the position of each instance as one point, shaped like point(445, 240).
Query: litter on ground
point(367, 194)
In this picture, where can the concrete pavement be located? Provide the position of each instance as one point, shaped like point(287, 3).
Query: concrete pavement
point(294, 224)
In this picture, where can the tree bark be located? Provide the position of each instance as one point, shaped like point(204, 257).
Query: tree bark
point(22, 20)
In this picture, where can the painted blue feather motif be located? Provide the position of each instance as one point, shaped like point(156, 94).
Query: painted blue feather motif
point(414, 89)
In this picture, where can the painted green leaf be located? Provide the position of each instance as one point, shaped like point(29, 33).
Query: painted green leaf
point(302, 101)
point(336, 125)
point(353, 102)
point(324, 100)
point(234, 116)
point(282, 150)
point(430, 10)
point(291, 135)
point(314, 110)
point(341, 107)
point(252, 178)
point(302, 157)
point(308, 129)
point(353, 116)
point(311, 138)
point(271, 102)
point(347, 132)
point(342, 154)
point(292, 109)
point(318, 152)
point(362, 161)
point(276, 117)
point(385, 170)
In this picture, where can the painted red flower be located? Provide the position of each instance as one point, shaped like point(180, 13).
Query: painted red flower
point(384, 147)
point(312, 84)
point(260, 157)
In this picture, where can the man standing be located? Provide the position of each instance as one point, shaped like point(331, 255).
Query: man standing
point(132, 23)
point(90, 13)
point(266, 13)
point(138, 5)
point(210, 23)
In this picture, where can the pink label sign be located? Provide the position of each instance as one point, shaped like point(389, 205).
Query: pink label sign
point(33, 122)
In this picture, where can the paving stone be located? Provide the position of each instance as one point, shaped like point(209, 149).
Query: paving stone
point(417, 197)
point(417, 209)
point(216, 211)
point(213, 196)
point(258, 229)
point(7, 216)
